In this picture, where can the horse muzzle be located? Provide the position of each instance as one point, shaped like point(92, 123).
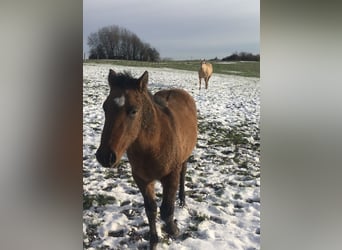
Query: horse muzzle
point(106, 158)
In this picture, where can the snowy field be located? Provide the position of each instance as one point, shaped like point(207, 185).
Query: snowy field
point(223, 178)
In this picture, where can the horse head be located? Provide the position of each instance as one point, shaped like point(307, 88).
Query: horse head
point(123, 116)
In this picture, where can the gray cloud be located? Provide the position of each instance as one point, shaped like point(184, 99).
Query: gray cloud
point(181, 29)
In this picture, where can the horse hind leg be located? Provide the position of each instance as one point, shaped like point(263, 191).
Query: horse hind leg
point(181, 193)
point(170, 185)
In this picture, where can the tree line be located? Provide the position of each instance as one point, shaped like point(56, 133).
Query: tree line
point(242, 56)
point(114, 42)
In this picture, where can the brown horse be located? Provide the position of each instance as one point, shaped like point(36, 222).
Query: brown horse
point(158, 132)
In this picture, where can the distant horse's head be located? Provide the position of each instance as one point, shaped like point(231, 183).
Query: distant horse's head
point(123, 116)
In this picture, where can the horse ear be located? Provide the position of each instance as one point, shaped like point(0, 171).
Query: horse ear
point(111, 76)
point(142, 81)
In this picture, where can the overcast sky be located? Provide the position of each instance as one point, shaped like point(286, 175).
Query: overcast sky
point(181, 29)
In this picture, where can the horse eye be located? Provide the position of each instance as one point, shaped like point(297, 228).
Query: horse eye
point(132, 111)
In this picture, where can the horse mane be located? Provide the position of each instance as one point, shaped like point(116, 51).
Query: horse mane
point(124, 80)
point(127, 81)
point(158, 100)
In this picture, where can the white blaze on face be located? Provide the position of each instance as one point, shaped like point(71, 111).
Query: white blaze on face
point(119, 101)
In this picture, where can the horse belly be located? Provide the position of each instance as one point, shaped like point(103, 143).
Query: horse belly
point(185, 118)
point(189, 139)
point(150, 169)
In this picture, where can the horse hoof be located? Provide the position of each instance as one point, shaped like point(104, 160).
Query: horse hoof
point(182, 204)
point(153, 246)
point(154, 239)
point(153, 242)
point(172, 229)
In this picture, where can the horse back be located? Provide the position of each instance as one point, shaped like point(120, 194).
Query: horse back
point(177, 100)
point(183, 113)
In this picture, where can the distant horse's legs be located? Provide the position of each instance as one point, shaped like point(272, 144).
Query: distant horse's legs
point(181, 193)
point(200, 83)
point(147, 190)
point(206, 82)
point(170, 185)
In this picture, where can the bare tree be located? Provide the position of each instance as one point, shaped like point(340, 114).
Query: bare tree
point(113, 42)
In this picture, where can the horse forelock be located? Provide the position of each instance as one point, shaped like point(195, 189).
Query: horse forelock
point(124, 80)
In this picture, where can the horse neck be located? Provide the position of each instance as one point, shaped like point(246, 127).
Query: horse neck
point(149, 138)
point(150, 126)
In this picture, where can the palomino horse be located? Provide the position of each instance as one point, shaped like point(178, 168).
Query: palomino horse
point(205, 71)
point(158, 132)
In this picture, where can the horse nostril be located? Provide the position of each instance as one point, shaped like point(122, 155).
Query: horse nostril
point(105, 158)
point(112, 158)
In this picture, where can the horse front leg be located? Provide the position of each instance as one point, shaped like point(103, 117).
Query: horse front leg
point(200, 83)
point(170, 184)
point(151, 212)
point(147, 190)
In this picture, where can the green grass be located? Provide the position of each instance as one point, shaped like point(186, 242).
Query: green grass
point(220, 136)
point(100, 199)
point(248, 69)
